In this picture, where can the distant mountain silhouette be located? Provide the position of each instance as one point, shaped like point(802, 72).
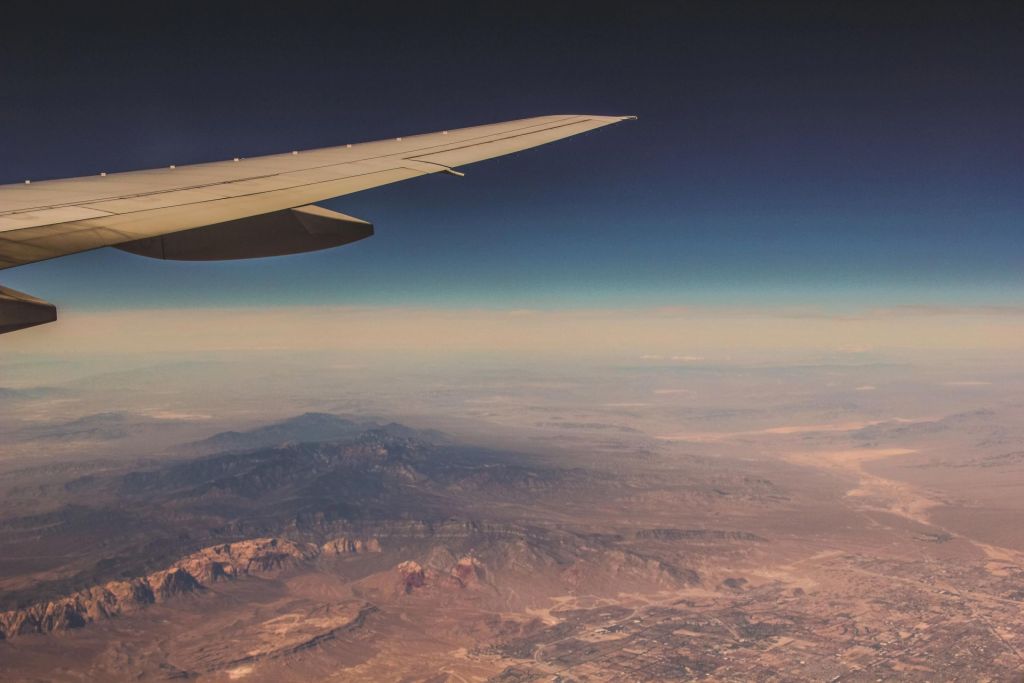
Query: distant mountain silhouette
point(29, 393)
point(95, 427)
point(309, 428)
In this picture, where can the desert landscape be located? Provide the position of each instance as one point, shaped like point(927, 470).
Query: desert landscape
point(840, 521)
point(514, 342)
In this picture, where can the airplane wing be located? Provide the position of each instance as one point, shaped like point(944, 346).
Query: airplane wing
point(239, 208)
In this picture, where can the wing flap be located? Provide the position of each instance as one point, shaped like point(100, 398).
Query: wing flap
point(158, 200)
point(63, 214)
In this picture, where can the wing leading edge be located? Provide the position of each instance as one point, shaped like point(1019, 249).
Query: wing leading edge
point(242, 208)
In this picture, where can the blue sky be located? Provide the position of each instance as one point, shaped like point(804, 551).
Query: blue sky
point(782, 157)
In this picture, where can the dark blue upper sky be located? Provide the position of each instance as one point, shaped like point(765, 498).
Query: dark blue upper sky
point(785, 153)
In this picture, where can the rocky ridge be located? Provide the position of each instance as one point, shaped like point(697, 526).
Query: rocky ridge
point(190, 574)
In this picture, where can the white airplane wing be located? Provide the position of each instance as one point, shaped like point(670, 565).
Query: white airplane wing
point(239, 208)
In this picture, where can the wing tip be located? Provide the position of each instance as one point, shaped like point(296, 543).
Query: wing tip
point(610, 119)
point(595, 117)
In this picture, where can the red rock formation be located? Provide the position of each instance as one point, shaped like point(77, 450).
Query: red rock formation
point(190, 574)
point(345, 546)
point(412, 576)
point(468, 571)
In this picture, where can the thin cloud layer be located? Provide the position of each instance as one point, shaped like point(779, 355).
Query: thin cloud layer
point(629, 334)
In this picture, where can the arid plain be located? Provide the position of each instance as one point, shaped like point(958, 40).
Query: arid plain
point(845, 518)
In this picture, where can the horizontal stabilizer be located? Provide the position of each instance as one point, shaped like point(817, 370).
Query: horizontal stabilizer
point(18, 311)
point(291, 231)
